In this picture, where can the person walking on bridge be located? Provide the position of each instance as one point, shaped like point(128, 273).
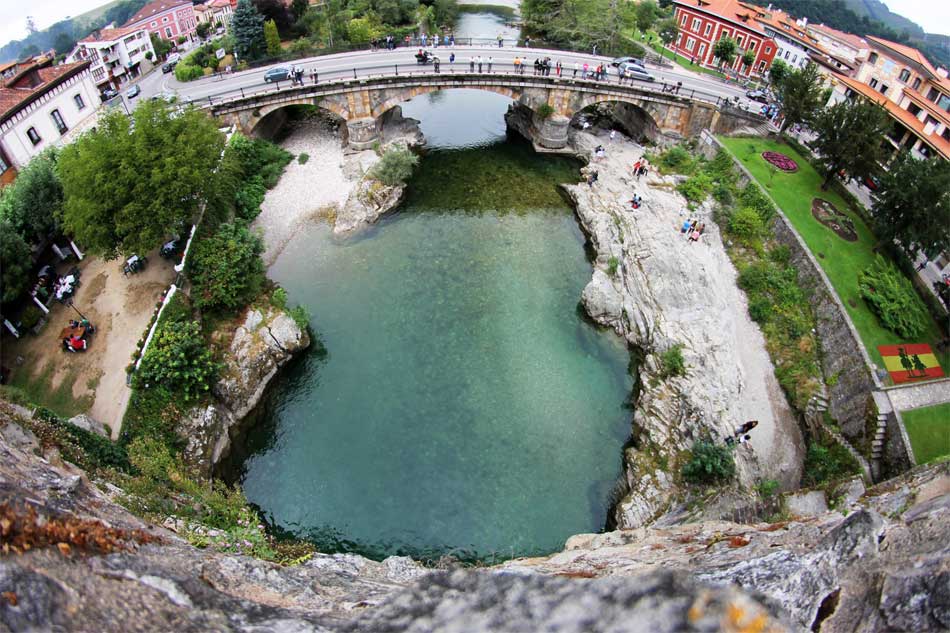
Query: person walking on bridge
point(435, 62)
point(491, 61)
point(471, 63)
point(501, 40)
point(479, 59)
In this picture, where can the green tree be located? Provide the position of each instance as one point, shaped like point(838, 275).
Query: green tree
point(778, 72)
point(298, 8)
point(726, 50)
point(360, 31)
point(272, 38)
point(446, 12)
point(33, 204)
point(395, 166)
point(748, 58)
point(850, 135)
point(247, 25)
point(179, 360)
point(161, 46)
point(202, 29)
point(646, 13)
point(912, 205)
point(669, 30)
point(800, 95)
point(130, 183)
point(226, 268)
point(15, 262)
point(709, 463)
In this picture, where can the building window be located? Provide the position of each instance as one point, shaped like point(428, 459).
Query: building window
point(762, 66)
point(739, 40)
point(787, 53)
point(917, 83)
point(944, 102)
point(883, 89)
point(80, 104)
point(872, 58)
point(768, 49)
point(904, 76)
point(945, 134)
point(752, 46)
point(33, 135)
point(58, 120)
point(794, 59)
point(707, 30)
point(873, 83)
point(168, 32)
point(695, 26)
point(153, 23)
point(702, 50)
point(933, 94)
point(165, 20)
point(4, 165)
point(683, 21)
point(913, 108)
point(690, 43)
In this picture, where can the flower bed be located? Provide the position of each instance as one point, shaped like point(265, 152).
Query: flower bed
point(781, 161)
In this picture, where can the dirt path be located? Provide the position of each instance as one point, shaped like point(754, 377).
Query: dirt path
point(120, 307)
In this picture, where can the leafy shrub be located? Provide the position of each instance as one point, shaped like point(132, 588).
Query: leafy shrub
point(612, 265)
point(395, 166)
point(226, 268)
point(676, 158)
point(249, 198)
point(179, 360)
point(767, 488)
point(672, 362)
point(260, 158)
point(824, 464)
point(751, 196)
point(746, 224)
point(892, 298)
point(30, 317)
point(696, 188)
point(278, 298)
point(544, 111)
point(709, 463)
point(299, 314)
point(87, 450)
point(188, 72)
point(303, 158)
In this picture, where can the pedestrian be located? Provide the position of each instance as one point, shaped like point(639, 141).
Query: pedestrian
point(921, 265)
point(591, 179)
point(594, 50)
point(452, 59)
point(313, 75)
point(471, 64)
point(537, 66)
point(745, 427)
point(435, 41)
point(576, 68)
point(701, 228)
point(694, 236)
point(585, 70)
point(636, 166)
point(407, 41)
point(424, 40)
point(435, 62)
point(491, 61)
point(613, 135)
point(686, 226)
point(558, 65)
point(527, 42)
point(479, 59)
point(745, 439)
point(501, 41)
point(452, 40)
point(645, 169)
point(679, 84)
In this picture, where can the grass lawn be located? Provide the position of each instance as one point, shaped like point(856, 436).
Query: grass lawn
point(842, 261)
point(929, 431)
point(26, 389)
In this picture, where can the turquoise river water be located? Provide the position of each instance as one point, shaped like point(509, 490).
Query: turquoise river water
point(459, 403)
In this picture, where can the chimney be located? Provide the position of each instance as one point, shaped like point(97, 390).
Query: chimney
point(804, 21)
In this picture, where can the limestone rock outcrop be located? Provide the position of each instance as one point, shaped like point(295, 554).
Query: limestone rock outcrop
point(660, 291)
point(883, 567)
point(259, 347)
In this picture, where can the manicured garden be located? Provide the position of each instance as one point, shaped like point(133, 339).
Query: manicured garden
point(929, 431)
point(842, 260)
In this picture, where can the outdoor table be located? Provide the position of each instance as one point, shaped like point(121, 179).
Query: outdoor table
point(69, 332)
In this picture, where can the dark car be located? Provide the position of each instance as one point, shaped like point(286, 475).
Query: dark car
point(167, 67)
point(277, 74)
point(628, 60)
point(758, 95)
point(872, 183)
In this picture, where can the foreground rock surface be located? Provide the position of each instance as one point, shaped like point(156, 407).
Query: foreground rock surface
point(884, 567)
point(260, 346)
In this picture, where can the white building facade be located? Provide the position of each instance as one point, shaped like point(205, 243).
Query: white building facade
point(43, 107)
point(116, 55)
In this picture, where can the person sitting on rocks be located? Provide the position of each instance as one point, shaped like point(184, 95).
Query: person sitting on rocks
point(636, 201)
point(685, 228)
point(746, 427)
point(693, 236)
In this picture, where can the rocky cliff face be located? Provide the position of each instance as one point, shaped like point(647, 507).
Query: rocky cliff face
point(258, 349)
point(668, 292)
point(884, 567)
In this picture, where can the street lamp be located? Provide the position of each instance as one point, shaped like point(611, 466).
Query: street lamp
point(81, 315)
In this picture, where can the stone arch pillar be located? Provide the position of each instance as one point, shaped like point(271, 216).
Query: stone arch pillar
point(362, 133)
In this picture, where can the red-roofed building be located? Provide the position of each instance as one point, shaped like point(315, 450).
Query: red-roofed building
point(914, 93)
point(838, 43)
point(168, 19)
point(702, 23)
point(42, 106)
point(116, 55)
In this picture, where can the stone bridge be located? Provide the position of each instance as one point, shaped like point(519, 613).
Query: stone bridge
point(363, 101)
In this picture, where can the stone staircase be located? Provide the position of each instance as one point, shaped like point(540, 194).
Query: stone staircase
point(815, 419)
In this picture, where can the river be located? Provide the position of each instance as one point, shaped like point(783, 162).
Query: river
point(457, 402)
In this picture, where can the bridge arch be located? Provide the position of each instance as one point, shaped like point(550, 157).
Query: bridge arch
point(634, 118)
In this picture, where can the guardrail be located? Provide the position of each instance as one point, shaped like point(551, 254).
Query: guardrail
point(458, 73)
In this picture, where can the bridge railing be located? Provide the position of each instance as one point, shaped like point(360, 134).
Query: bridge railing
point(463, 72)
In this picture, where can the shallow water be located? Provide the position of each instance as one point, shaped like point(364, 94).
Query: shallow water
point(460, 404)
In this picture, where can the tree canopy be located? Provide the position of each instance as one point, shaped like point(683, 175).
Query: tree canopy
point(247, 26)
point(583, 22)
point(14, 262)
point(272, 38)
point(226, 267)
point(33, 204)
point(800, 93)
point(849, 138)
point(912, 204)
point(778, 71)
point(132, 182)
point(726, 50)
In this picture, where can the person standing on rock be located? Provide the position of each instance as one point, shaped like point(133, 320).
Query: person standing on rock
point(636, 166)
point(613, 135)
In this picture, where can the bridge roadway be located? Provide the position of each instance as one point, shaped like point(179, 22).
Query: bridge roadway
point(383, 63)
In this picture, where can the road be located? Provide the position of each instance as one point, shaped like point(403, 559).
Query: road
point(368, 63)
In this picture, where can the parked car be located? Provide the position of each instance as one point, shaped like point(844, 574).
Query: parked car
point(133, 92)
point(628, 60)
point(167, 67)
point(167, 97)
point(277, 74)
point(109, 93)
point(637, 72)
point(872, 183)
point(174, 58)
point(758, 95)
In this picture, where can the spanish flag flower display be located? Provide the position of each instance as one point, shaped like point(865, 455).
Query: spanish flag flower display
point(914, 361)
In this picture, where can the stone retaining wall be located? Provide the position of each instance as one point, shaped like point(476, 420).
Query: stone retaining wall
point(844, 360)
